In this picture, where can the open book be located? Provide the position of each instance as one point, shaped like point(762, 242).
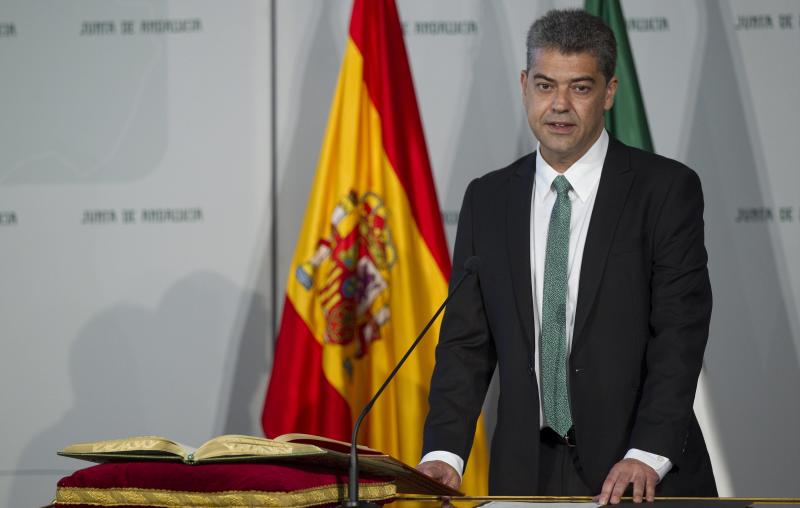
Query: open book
point(293, 448)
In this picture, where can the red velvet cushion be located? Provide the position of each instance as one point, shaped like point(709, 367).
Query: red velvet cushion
point(171, 484)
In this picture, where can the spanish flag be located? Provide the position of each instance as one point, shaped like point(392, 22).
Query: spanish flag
point(371, 264)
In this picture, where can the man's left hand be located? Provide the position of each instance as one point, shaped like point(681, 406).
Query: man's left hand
point(624, 473)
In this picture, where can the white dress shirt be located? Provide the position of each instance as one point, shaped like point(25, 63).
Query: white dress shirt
point(584, 177)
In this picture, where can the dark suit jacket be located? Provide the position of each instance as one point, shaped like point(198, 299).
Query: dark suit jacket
point(641, 326)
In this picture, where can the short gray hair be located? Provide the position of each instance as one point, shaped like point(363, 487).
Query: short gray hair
point(574, 31)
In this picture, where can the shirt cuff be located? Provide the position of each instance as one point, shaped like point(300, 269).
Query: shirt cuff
point(449, 458)
point(660, 464)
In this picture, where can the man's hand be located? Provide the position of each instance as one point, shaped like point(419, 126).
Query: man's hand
point(624, 473)
point(442, 471)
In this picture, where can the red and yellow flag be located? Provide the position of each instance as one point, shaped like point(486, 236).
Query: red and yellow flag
point(371, 264)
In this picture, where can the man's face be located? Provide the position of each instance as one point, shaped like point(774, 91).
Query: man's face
point(565, 96)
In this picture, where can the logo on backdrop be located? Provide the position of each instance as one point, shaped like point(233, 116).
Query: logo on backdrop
point(101, 216)
point(350, 270)
point(8, 30)
point(440, 27)
point(648, 24)
point(766, 21)
point(8, 218)
point(764, 214)
point(144, 26)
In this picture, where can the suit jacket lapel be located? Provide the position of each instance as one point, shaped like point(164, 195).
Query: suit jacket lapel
point(519, 247)
point(615, 183)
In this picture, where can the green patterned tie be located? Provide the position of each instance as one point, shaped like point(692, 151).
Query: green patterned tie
point(553, 354)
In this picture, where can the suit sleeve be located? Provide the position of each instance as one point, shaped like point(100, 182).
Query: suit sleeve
point(679, 321)
point(465, 354)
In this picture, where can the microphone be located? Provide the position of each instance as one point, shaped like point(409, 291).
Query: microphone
point(471, 266)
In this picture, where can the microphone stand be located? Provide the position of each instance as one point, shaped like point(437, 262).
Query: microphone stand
point(470, 266)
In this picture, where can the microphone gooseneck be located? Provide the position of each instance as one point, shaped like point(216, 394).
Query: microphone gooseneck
point(471, 266)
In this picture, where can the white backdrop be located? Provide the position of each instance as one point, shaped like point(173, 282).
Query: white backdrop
point(135, 198)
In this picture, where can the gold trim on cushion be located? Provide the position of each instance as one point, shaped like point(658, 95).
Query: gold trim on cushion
point(229, 499)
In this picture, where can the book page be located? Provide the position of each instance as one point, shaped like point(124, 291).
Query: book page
point(130, 446)
point(233, 445)
point(327, 443)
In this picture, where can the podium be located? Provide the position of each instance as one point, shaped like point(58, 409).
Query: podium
point(406, 501)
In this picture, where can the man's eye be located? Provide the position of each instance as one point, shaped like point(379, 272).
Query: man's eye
point(582, 89)
point(543, 86)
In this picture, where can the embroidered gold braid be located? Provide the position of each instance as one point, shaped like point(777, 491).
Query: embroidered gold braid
point(234, 499)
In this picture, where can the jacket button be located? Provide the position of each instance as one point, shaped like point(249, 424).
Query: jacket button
point(530, 369)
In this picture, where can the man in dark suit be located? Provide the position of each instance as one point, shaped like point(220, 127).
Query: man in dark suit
point(592, 299)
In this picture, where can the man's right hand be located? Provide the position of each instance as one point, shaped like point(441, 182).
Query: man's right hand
point(441, 471)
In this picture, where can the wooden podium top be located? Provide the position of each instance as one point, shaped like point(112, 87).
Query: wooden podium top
point(585, 501)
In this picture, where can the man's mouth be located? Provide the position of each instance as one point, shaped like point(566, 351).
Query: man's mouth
point(560, 127)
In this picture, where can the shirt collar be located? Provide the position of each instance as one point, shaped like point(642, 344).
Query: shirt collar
point(583, 175)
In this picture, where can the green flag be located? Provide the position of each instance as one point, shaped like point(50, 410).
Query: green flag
point(627, 120)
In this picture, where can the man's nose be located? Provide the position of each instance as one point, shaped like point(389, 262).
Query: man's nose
point(560, 102)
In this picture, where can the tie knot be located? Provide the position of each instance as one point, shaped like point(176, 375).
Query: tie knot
point(561, 185)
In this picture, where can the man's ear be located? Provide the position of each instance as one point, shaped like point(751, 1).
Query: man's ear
point(611, 92)
point(523, 84)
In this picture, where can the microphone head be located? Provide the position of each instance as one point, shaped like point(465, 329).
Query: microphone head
point(472, 264)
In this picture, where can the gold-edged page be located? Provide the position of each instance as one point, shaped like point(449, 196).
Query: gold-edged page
point(327, 443)
point(129, 447)
point(233, 446)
